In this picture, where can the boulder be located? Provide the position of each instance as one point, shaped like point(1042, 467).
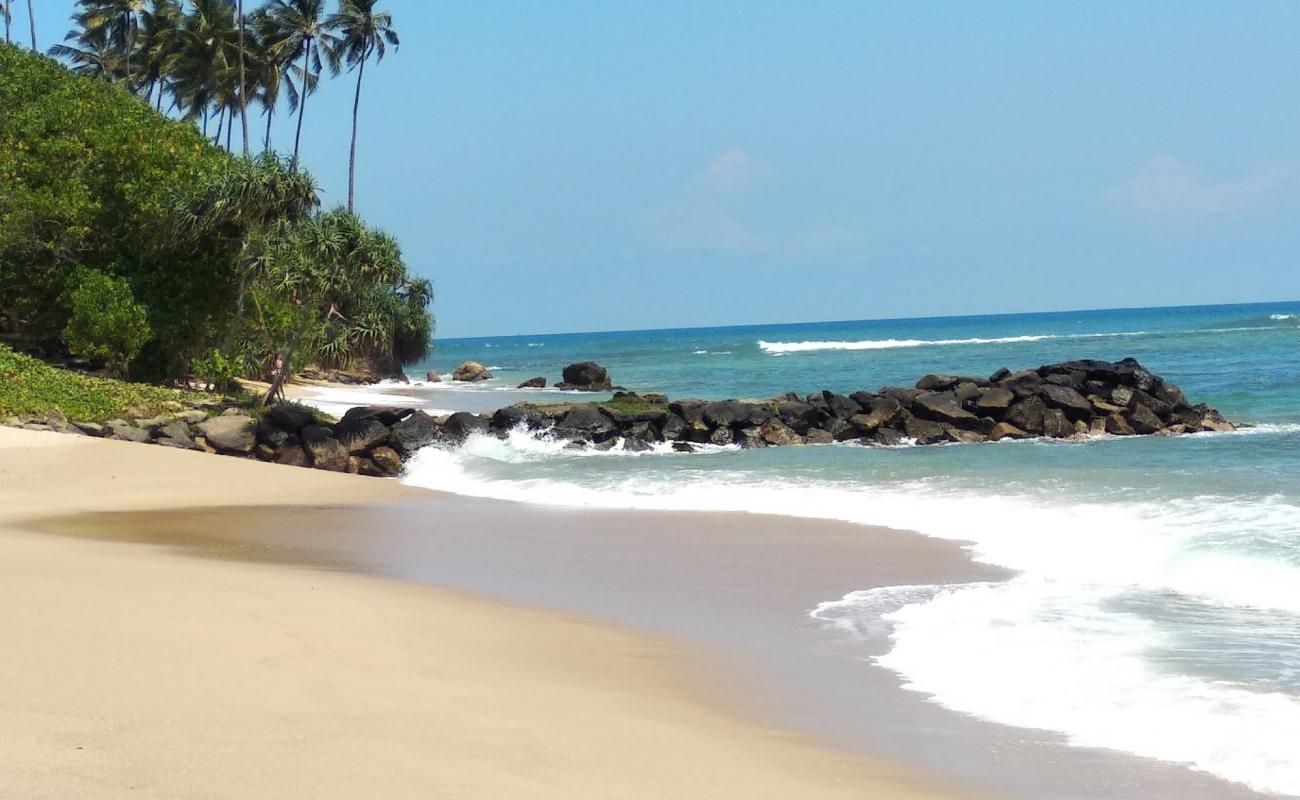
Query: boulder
point(1133, 374)
point(462, 424)
point(1056, 425)
point(587, 376)
point(1144, 420)
point(386, 415)
point(324, 451)
point(586, 422)
point(416, 431)
point(92, 429)
point(840, 429)
point(941, 407)
point(292, 455)
point(721, 436)
point(1075, 405)
point(864, 399)
point(840, 406)
point(263, 452)
point(1027, 415)
point(776, 432)
point(937, 383)
point(432, 376)
point(361, 435)
point(966, 392)
point(889, 437)
point(1023, 384)
point(470, 372)
point(883, 411)
point(1116, 425)
point(903, 396)
point(965, 437)
point(690, 411)
point(180, 444)
point(801, 416)
point(289, 416)
point(509, 418)
point(533, 383)
point(925, 431)
point(1000, 374)
point(728, 412)
point(818, 436)
point(230, 433)
point(1122, 396)
point(683, 447)
point(176, 430)
point(1004, 430)
point(994, 401)
point(674, 428)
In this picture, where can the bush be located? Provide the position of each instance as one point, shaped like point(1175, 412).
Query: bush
point(104, 320)
point(216, 369)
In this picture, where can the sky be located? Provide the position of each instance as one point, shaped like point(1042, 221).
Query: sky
point(567, 165)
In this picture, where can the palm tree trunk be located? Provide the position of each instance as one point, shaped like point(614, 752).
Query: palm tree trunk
point(243, 103)
point(352, 157)
point(302, 104)
point(31, 19)
point(205, 122)
point(230, 129)
point(221, 124)
point(161, 86)
point(130, 48)
point(266, 145)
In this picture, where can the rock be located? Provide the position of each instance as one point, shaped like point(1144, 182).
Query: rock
point(192, 416)
point(1004, 430)
point(865, 400)
point(1097, 426)
point(180, 444)
point(1075, 405)
point(801, 416)
point(151, 424)
point(386, 415)
point(884, 411)
point(1118, 426)
point(776, 432)
point(1133, 374)
point(750, 439)
point(1214, 421)
point(324, 450)
point(1102, 407)
point(387, 460)
point(1122, 396)
point(587, 376)
point(203, 445)
point(362, 435)
point(994, 401)
point(1001, 374)
point(683, 447)
point(965, 437)
point(633, 445)
point(655, 398)
point(966, 392)
point(942, 407)
point(818, 436)
point(674, 428)
point(292, 455)
point(176, 430)
point(470, 372)
point(461, 425)
point(721, 436)
point(690, 411)
point(937, 383)
point(731, 412)
point(533, 383)
point(1143, 419)
point(432, 376)
point(925, 431)
point(890, 437)
point(92, 429)
point(1023, 384)
point(416, 431)
point(903, 396)
point(840, 429)
point(1027, 415)
point(289, 416)
point(128, 433)
point(264, 452)
point(272, 436)
point(1056, 425)
point(230, 433)
point(840, 406)
point(587, 422)
point(508, 418)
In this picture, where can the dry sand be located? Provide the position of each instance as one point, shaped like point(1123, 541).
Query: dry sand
point(134, 671)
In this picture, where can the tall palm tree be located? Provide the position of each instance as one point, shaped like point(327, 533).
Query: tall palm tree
point(31, 19)
point(298, 29)
point(362, 31)
point(243, 82)
point(8, 14)
point(160, 45)
point(202, 72)
point(118, 20)
point(92, 55)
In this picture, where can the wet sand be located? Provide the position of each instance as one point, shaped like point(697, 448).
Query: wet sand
point(735, 588)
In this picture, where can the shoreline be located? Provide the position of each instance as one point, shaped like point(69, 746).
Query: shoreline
point(149, 671)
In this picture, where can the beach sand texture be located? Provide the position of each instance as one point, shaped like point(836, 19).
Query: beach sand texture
point(136, 671)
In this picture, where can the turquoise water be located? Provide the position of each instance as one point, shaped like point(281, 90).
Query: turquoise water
point(1157, 608)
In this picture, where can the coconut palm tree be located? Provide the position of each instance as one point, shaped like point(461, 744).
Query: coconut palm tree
point(243, 83)
point(202, 71)
point(92, 55)
point(159, 45)
point(298, 29)
point(8, 15)
point(118, 20)
point(31, 19)
point(362, 32)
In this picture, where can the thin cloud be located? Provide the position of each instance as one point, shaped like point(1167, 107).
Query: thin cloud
point(1170, 189)
point(731, 172)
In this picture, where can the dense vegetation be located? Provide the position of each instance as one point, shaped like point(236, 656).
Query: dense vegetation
point(130, 238)
point(31, 387)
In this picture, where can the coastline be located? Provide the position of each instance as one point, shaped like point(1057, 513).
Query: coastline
point(145, 671)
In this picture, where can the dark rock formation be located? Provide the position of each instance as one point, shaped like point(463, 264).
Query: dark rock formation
point(533, 383)
point(471, 372)
point(587, 376)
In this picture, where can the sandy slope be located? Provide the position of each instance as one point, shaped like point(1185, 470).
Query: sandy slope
point(133, 671)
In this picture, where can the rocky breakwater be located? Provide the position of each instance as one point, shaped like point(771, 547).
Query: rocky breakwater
point(1074, 399)
point(369, 440)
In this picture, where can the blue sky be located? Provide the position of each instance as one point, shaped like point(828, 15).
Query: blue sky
point(556, 165)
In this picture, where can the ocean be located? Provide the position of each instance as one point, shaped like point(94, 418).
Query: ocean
point(1156, 608)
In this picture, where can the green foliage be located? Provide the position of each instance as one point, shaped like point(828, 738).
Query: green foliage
point(104, 321)
point(29, 387)
point(217, 369)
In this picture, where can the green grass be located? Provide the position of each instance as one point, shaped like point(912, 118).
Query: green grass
point(31, 387)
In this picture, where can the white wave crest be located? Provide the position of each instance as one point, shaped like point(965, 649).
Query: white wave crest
point(778, 348)
point(1281, 317)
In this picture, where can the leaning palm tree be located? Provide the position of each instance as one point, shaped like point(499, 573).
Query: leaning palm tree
point(362, 32)
point(297, 29)
point(159, 46)
point(91, 54)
